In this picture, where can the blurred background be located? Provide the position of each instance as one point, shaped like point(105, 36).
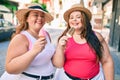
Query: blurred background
point(105, 19)
point(102, 11)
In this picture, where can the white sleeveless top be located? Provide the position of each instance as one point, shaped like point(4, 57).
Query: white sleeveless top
point(42, 64)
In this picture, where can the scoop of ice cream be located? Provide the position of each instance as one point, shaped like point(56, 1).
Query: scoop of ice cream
point(70, 32)
point(42, 33)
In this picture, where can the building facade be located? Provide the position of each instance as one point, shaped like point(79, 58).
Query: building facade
point(115, 26)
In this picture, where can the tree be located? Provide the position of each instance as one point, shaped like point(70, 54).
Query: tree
point(35, 1)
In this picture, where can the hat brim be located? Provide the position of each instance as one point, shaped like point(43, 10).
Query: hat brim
point(20, 14)
point(85, 10)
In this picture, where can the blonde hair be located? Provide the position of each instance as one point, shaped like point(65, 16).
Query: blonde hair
point(22, 26)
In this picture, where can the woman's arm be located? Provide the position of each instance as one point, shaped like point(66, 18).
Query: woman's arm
point(18, 56)
point(59, 58)
point(107, 61)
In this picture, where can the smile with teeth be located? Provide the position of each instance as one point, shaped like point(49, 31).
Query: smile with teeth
point(75, 24)
point(39, 22)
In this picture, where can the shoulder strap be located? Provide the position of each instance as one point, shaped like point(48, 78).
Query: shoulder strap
point(30, 43)
point(48, 35)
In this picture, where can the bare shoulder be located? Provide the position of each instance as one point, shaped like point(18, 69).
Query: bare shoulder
point(19, 39)
point(18, 45)
point(99, 36)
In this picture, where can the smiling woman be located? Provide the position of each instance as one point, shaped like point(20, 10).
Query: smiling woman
point(29, 49)
point(84, 55)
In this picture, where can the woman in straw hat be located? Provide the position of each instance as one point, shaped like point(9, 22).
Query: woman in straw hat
point(81, 55)
point(29, 53)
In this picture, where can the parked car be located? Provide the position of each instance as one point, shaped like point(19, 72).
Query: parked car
point(6, 29)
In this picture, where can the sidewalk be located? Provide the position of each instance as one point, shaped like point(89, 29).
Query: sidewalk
point(116, 58)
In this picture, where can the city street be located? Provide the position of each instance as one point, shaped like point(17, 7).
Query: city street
point(54, 33)
point(104, 16)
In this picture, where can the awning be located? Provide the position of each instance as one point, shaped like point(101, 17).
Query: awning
point(4, 9)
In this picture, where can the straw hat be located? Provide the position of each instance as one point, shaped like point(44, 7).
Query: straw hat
point(78, 7)
point(20, 14)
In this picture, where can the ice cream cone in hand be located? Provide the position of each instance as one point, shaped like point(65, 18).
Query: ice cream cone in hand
point(70, 32)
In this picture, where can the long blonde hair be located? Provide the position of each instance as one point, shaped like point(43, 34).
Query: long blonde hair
point(23, 26)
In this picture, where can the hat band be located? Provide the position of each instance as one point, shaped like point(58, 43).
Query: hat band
point(37, 7)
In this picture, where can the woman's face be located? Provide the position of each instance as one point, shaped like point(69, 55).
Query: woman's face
point(75, 20)
point(36, 20)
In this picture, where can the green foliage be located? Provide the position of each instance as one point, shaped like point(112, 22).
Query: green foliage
point(44, 7)
point(35, 1)
point(4, 2)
